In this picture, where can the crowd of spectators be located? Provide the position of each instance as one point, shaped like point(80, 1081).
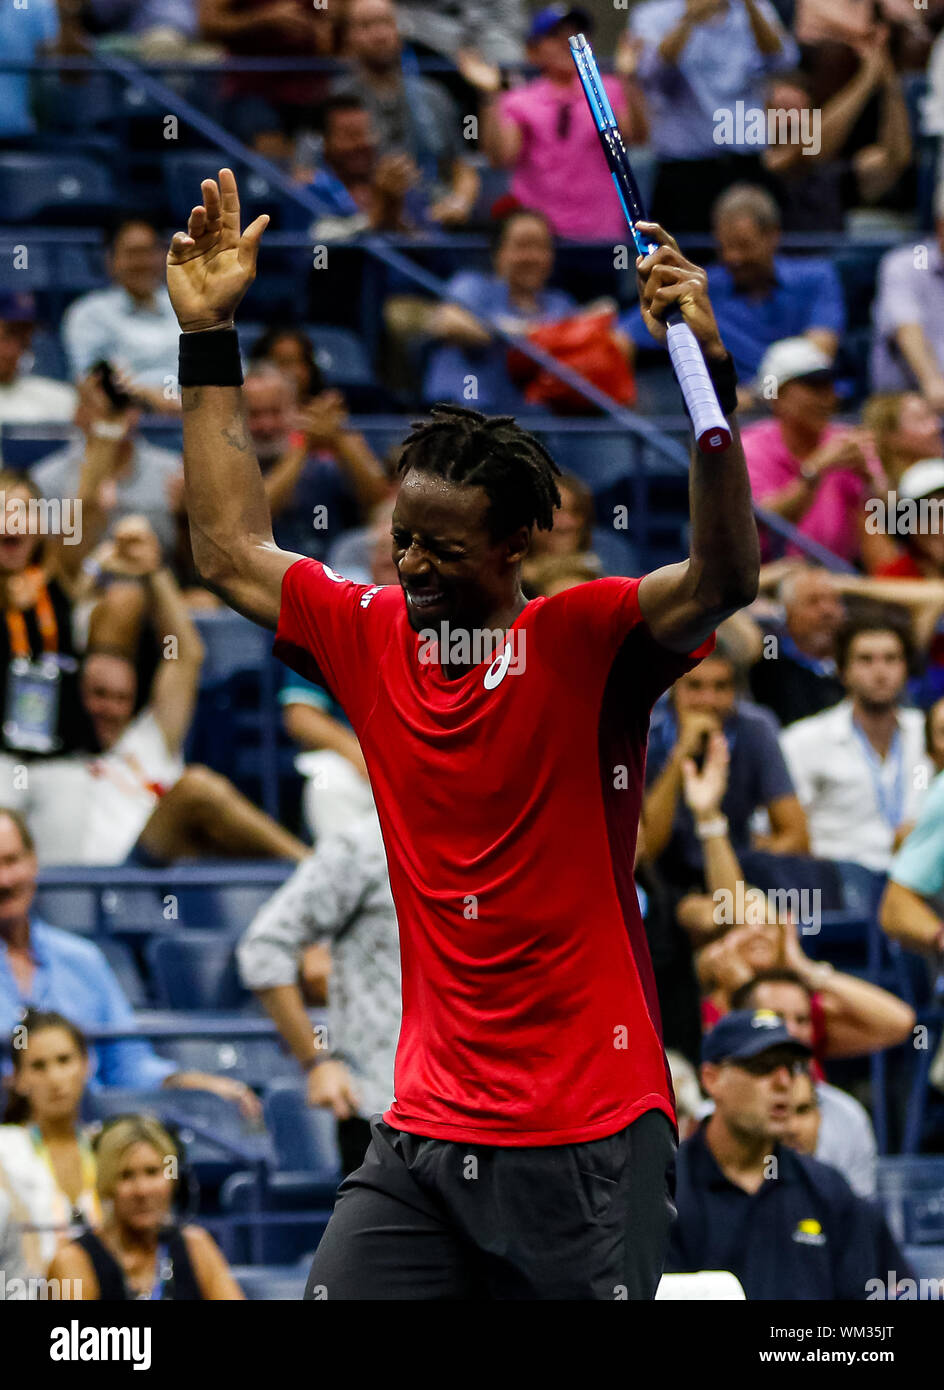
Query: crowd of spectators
point(810, 739)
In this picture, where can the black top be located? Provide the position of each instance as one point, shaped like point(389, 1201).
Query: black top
point(73, 728)
point(793, 691)
point(179, 1280)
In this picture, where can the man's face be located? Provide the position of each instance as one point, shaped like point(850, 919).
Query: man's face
point(807, 404)
point(791, 1002)
point(268, 403)
point(814, 613)
point(709, 689)
point(18, 869)
point(109, 687)
point(448, 565)
point(137, 260)
point(754, 1097)
point(918, 435)
point(350, 145)
point(802, 1132)
point(525, 255)
point(875, 670)
point(747, 252)
point(372, 37)
point(14, 341)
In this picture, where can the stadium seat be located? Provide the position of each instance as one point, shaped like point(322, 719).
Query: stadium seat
point(195, 970)
point(49, 358)
point(271, 1283)
point(305, 1139)
point(340, 355)
point(217, 1138)
point(184, 170)
point(121, 959)
point(25, 267)
point(293, 1218)
point(22, 446)
point(927, 1262)
point(54, 188)
point(911, 1191)
point(256, 1061)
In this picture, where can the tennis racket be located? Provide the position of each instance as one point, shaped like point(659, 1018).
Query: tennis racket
point(712, 433)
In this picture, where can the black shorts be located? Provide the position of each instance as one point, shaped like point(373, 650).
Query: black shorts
point(437, 1219)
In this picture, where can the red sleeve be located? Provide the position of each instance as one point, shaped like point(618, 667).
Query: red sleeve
point(333, 632)
point(593, 621)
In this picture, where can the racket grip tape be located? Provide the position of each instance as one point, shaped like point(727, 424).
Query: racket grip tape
point(712, 433)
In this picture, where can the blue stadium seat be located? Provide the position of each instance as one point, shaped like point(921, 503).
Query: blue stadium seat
point(271, 1283)
point(294, 1217)
point(305, 1138)
point(256, 1061)
point(122, 961)
point(218, 1140)
point(340, 355)
point(25, 266)
point(231, 643)
point(195, 970)
point(927, 1261)
point(38, 187)
point(911, 1190)
point(185, 169)
point(23, 446)
point(49, 358)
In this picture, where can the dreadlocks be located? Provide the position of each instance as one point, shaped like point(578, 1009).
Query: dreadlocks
point(490, 452)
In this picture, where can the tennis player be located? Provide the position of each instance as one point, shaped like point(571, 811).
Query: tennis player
point(525, 1155)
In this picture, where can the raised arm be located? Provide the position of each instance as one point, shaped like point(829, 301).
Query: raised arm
point(209, 269)
point(684, 603)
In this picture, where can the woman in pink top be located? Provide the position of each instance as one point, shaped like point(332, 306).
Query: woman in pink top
point(544, 132)
point(806, 469)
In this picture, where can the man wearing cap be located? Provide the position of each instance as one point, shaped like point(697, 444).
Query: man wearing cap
point(545, 134)
point(787, 1226)
point(813, 473)
point(26, 399)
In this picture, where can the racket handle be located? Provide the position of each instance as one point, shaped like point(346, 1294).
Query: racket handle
point(711, 429)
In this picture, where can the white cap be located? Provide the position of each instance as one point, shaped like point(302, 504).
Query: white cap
point(921, 479)
point(791, 359)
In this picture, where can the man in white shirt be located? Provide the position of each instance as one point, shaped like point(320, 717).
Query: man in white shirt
point(860, 769)
point(136, 801)
point(131, 325)
point(26, 399)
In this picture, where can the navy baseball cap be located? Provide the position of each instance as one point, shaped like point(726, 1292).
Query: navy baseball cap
point(548, 19)
point(747, 1033)
point(17, 307)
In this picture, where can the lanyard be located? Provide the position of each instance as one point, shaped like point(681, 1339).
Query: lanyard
point(45, 618)
point(891, 804)
point(78, 1217)
point(165, 1273)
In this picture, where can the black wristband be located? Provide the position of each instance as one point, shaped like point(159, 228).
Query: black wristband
point(210, 359)
point(724, 378)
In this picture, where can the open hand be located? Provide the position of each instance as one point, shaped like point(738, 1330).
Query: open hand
point(211, 265)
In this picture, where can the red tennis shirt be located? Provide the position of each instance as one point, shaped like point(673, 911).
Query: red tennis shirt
point(509, 801)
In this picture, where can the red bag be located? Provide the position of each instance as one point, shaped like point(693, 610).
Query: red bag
point(584, 343)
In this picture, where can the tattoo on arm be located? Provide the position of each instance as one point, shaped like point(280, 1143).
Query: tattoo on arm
point(238, 436)
point(190, 397)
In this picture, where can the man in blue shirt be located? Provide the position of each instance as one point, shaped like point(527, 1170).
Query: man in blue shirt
point(760, 297)
point(785, 1225)
point(700, 702)
point(43, 967)
point(26, 33)
point(701, 62)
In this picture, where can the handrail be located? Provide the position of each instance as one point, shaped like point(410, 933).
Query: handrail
point(381, 248)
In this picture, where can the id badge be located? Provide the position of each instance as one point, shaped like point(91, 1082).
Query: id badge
point(31, 713)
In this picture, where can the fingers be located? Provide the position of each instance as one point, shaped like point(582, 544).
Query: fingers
point(653, 232)
point(229, 199)
point(249, 241)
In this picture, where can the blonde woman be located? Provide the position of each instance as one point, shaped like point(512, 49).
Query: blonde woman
point(139, 1252)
